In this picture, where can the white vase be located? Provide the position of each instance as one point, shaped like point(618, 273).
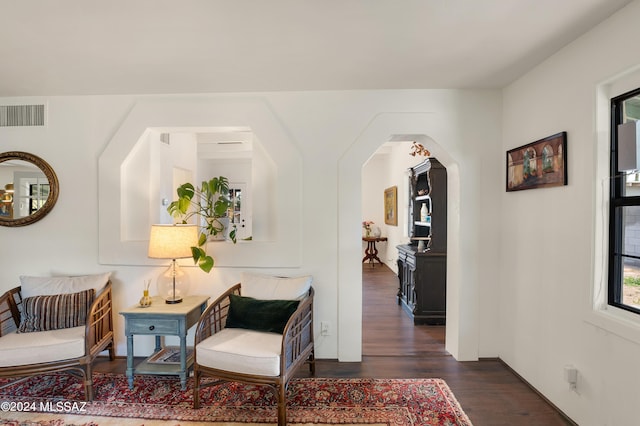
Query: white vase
point(423, 212)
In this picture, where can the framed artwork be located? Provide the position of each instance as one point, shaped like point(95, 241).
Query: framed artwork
point(6, 210)
point(540, 164)
point(391, 206)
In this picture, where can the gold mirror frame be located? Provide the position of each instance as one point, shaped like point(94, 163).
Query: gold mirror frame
point(53, 187)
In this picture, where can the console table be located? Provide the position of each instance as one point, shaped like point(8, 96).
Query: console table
point(162, 319)
point(371, 252)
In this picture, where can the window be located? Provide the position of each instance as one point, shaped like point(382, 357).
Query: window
point(38, 194)
point(624, 214)
point(31, 192)
point(239, 211)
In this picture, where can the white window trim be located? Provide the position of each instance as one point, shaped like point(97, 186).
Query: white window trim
point(600, 314)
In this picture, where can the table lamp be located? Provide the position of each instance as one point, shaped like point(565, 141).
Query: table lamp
point(172, 242)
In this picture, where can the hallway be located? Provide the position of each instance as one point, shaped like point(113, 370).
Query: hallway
point(386, 329)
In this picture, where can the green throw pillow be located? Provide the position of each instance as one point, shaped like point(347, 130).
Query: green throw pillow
point(260, 315)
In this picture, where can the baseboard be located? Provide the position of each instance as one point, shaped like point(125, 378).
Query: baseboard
point(555, 407)
point(104, 355)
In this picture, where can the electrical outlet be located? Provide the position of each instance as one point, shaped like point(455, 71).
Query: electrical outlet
point(325, 329)
point(571, 376)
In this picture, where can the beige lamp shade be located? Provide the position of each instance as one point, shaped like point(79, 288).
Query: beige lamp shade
point(172, 241)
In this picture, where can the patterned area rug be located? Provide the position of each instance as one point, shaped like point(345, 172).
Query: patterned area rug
point(58, 400)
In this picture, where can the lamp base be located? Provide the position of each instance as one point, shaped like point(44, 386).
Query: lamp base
point(173, 284)
point(172, 300)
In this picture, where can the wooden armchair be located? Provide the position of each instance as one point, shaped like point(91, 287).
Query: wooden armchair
point(71, 350)
point(255, 356)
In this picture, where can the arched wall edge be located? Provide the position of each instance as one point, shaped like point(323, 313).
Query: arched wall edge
point(426, 128)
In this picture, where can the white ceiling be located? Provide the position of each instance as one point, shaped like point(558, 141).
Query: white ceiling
point(74, 47)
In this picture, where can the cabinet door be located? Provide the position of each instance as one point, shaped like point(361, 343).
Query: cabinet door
point(406, 277)
point(431, 289)
point(401, 268)
point(410, 285)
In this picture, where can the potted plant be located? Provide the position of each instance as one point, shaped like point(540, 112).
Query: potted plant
point(211, 202)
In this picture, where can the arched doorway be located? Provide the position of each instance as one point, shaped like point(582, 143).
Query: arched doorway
point(390, 127)
point(404, 287)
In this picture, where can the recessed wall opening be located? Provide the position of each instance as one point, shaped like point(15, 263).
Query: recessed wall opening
point(139, 172)
point(164, 158)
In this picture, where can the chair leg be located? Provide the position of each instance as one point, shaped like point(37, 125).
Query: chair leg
point(196, 388)
point(112, 351)
point(312, 363)
point(88, 382)
point(282, 405)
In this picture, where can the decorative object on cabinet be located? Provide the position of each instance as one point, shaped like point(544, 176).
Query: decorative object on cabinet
point(391, 206)
point(419, 149)
point(172, 242)
point(422, 264)
point(424, 212)
point(32, 191)
point(539, 164)
point(212, 203)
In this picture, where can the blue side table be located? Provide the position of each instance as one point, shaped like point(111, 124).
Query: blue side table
point(162, 319)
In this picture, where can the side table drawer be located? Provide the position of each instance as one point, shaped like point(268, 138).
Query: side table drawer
point(153, 326)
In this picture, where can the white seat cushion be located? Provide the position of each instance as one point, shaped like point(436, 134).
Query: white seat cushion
point(267, 287)
point(41, 346)
point(242, 351)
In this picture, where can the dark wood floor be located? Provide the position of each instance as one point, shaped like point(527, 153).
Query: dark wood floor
point(393, 347)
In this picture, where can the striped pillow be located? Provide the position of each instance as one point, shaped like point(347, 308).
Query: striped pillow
point(42, 313)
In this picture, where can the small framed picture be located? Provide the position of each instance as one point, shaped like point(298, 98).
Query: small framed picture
point(391, 206)
point(539, 164)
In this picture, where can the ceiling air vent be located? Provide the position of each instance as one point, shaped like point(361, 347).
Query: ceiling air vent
point(21, 115)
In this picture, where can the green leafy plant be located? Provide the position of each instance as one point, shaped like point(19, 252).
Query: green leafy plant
point(632, 281)
point(211, 202)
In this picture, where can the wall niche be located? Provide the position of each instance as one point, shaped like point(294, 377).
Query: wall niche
point(144, 162)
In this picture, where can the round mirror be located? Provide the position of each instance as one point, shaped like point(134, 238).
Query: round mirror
point(28, 188)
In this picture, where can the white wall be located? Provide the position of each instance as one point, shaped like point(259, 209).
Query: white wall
point(375, 176)
point(553, 241)
point(326, 129)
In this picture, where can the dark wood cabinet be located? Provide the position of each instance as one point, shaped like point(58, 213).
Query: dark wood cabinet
point(423, 289)
point(422, 264)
